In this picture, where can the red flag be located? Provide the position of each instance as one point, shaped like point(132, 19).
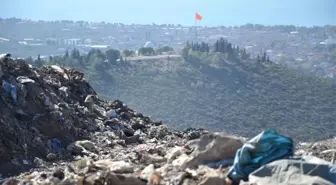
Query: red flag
point(198, 17)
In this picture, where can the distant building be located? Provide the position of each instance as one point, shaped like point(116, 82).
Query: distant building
point(88, 41)
point(73, 42)
point(149, 45)
point(31, 42)
point(3, 39)
point(328, 41)
point(53, 41)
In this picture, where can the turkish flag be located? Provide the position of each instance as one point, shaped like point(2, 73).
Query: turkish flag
point(198, 17)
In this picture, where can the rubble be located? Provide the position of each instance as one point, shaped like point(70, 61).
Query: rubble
point(60, 132)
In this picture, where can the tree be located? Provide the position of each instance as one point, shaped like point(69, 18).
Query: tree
point(38, 62)
point(164, 49)
point(264, 57)
point(128, 53)
point(146, 51)
point(112, 55)
point(185, 51)
point(29, 60)
point(66, 54)
point(75, 54)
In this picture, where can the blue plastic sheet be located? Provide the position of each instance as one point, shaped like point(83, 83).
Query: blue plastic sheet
point(10, 89)
point(266, 147)
point(55, 146)
point(113, 114)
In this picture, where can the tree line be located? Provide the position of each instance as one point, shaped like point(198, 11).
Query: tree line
point(233, 53)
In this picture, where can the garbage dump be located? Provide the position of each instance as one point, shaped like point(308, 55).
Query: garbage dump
point(54, 129)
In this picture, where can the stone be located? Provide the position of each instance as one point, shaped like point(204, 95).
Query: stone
point(173, 153)
point(147, 172)
point(59, 174)
point(122, 179)
point(88, 145)
point(158, 132)
point(181, 160)
point(148, 159)
point(132, 139)
point(115, 166)
point(209, 176)
point(75, 149)
point(51, 156)
point(11, 181)
point(212, 147)
point(154, 179)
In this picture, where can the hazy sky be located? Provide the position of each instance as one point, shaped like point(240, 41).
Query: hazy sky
point(214, 12)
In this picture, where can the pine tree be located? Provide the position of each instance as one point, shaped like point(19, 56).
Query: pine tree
point(66, 54)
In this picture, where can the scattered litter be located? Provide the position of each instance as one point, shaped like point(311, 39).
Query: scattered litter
point(24, 79)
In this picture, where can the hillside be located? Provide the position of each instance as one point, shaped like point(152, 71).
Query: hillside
point(220, 89)
point(242, 97)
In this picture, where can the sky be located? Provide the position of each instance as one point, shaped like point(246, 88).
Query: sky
point(214, 12)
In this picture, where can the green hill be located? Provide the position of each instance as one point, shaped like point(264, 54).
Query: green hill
point(222, 90)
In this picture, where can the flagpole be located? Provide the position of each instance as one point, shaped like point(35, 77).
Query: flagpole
point(195, 28)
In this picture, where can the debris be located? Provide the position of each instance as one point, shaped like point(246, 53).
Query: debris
point(212, 147)
point(210, 176)
point(115, 166)
point(147, 172)
point(24, 79)
point(88, 145)
point(288, 171)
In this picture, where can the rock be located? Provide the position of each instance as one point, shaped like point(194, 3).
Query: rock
point(212, 147)
point(11, 181)
point(119, 179)
point(209, 176)
point(81, 166)
point(192, 133)
point(181, 160)
point(125, 116)
point(38, 162)
point(88, 145)
point(121, 142)
point(158, 123)
point(132, 139)
point(75, 149)
point(93, 179)
point(148, 159)
point(136, 125)
point(155, 179)
point(59, 174)
point(179, 179)
point(51, 156)
point(158, 132)
point(115, 166)
point(173, 153)
point(147, 172)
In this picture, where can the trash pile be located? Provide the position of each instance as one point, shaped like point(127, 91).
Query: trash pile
point(54, 129)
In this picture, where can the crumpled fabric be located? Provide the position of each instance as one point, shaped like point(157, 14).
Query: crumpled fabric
point(264, 148)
